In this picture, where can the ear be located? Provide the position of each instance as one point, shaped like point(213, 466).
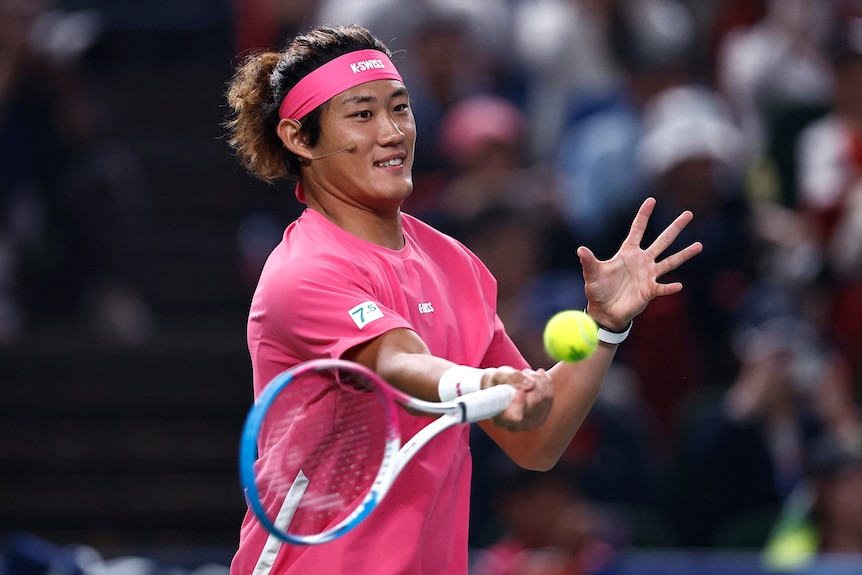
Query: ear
point(289, 131)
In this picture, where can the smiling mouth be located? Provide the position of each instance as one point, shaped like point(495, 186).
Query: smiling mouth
point(390, 163)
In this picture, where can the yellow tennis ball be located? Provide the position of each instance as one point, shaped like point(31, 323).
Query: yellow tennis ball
point(571, 336)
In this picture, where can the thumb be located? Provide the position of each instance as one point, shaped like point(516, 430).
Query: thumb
point(589, 263)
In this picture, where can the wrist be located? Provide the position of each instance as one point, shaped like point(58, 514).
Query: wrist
point(612, 336)
point(459, 380)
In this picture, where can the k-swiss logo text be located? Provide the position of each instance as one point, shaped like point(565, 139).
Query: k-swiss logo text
point(364, 65)
point(426, 307)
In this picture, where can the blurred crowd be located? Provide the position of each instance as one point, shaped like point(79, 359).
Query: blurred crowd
point(72, 194)
point(543, 124)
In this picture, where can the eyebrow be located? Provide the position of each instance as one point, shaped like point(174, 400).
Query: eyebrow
point(364, 99)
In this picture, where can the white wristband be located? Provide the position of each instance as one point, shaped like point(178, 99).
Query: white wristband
point(459, 380)
point(614, 337)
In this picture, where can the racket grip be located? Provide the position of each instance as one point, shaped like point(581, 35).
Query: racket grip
point(486, 403)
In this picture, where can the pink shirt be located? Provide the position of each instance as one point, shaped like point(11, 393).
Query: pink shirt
point(322, 292)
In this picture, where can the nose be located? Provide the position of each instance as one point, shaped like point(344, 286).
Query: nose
point(390, 131)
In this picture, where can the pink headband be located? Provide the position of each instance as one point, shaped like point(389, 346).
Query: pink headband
point(334, 77)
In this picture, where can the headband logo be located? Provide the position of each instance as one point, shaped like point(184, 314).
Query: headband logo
point(364, 65)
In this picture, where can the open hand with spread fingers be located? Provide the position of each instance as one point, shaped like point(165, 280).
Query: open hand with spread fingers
point(620, 288)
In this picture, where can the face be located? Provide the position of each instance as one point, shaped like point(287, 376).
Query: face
point(377, 173)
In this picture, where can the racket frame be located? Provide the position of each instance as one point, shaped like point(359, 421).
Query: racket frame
point(466, 409)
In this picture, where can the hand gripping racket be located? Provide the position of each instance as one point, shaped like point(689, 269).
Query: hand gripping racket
point(322, 445)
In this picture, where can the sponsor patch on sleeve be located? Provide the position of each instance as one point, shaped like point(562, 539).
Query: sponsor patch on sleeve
point(365, 313)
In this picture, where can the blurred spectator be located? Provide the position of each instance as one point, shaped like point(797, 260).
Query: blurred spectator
point(775, 67)
point(652, 42)
point(395, 22)
point(567, 51)
point(587, 51)
point(483, 138)
point(597, 170)
point(691, 158)
point(70, 196)
point(823, 515)
point(621, 467)
point(717, 19)
point(743, 454)
point(265, 24)
point(829, 153)
point(830, 185)
point(688, 123)
point(837, 511)
point(547, 527)
point(390, 20)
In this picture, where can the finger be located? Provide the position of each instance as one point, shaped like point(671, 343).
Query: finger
point(674, 261)
point(528, 381)
point(639, 225)
point(667, 289)
point(513, 415)
point(536, 411)
point(669, 235)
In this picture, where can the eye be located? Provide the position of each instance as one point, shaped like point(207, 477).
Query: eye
point(364, 114)
point(402, 107)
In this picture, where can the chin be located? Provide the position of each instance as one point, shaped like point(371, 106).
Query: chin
point(405, 191)
point(408, 189)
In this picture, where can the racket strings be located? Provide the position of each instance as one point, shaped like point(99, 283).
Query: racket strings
point(332, 435)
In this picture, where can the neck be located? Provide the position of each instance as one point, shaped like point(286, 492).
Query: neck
point(380, 228)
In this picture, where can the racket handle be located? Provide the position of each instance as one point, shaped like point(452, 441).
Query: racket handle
point(486, 403)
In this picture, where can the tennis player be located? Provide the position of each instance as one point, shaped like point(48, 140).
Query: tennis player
point(356, 278)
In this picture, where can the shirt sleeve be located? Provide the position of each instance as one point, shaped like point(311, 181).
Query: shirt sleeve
point(502, 350)
point(322, 311)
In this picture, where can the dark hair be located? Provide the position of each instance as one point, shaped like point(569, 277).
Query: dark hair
point(259, 85)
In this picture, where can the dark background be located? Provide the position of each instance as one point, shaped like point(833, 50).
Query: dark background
point(121, 445)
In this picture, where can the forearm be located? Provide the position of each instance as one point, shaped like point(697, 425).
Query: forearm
point(417, 374)
point(401, 358)
point(576, 387)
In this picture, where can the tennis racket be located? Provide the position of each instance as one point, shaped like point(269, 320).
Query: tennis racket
point(322, 445)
